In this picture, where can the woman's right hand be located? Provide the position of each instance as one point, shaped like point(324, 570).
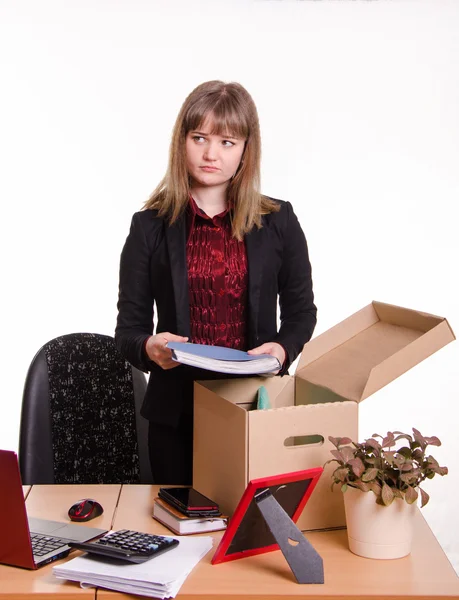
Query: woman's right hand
point(159, 353)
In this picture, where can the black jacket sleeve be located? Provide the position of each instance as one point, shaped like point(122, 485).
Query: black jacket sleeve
point(298, 313)
point(135, 301)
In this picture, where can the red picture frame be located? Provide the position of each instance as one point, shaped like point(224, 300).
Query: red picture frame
point(247, 533)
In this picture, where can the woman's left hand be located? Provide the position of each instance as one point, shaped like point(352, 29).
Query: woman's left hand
point(272, 348)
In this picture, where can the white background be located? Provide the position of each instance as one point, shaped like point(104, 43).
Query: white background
point(358, 102)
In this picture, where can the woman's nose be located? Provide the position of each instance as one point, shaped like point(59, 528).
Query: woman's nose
point(211, 152)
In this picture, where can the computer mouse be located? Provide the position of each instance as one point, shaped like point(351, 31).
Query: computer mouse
point(85, 510)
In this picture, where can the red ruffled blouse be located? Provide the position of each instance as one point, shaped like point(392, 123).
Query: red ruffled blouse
point(217, 280)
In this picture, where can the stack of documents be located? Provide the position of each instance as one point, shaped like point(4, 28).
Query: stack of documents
point(160, 577)
point(223, 360)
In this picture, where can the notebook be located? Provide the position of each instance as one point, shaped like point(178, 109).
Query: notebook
point(19, 534)
point(223, 360)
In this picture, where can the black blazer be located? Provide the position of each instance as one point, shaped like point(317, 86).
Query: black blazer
point(153, 269)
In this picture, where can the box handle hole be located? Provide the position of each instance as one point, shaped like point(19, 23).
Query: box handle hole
point(304, 440)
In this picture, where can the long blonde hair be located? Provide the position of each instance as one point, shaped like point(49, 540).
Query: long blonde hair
point(232, 111)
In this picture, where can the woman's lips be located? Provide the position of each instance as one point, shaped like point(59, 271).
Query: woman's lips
point(209, 169)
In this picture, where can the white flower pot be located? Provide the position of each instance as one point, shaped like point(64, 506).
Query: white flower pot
point(376, 531)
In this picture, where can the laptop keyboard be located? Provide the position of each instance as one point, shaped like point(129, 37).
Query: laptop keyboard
point(42, 544)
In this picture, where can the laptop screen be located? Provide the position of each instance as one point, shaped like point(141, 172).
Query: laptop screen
point(15, 546)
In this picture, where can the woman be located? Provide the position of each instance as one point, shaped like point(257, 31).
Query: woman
point(215, 256)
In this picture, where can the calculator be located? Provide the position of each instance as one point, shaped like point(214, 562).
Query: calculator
point(131, 546)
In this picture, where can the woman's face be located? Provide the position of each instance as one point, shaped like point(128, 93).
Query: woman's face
point(212, 160)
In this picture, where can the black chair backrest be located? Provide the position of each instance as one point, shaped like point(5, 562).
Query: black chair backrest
point(80, 420)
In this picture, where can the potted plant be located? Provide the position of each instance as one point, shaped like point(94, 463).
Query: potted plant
point(381, 481)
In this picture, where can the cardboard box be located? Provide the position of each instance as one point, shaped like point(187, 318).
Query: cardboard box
point(338, 369)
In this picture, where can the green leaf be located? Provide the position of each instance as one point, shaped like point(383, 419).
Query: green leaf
point(411, 495)
point(432, 462)
point(341, 474)
point(433, 441)
point(347, 453)
point(424, 497)
point(357, 466)
point(408, 478)
point(370, 475)
point(379, 464)
point(407, 466)
point(387, 495)
point(364, 487)
point(344, 487)
point(344, 441)
point(338, 456)
point(389, 456)
point(372, 444)
point(399, 461)
point(437, 469)
point(375, 487)
point(418, 454)
point(389, 440)
point(339, 441)
point(403, 436)
point(419, 438)
point(405, 451)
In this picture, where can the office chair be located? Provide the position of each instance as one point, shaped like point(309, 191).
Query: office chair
point(80, 419)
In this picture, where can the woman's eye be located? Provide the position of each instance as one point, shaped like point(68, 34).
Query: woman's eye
point(198, 138)
point(227, 143)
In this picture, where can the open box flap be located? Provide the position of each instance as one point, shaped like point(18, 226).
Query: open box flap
point(374, 347)
point(406, 317)
point(243, 392)
point(337, 335)
point(407, 358)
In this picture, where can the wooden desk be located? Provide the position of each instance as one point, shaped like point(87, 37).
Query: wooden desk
point(52, 502)
point(425, 574)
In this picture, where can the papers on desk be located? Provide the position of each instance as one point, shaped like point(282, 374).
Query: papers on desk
point(160, 577)
point(223, 360)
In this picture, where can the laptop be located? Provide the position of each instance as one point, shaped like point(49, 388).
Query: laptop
point(30, 542)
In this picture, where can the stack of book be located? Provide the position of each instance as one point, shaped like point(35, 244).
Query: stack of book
point(180, 524)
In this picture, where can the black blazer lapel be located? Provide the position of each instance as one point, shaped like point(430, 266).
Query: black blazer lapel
point(253, 242)
point(176, 245)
